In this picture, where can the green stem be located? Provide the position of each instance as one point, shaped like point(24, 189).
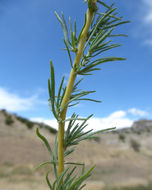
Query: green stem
point(69, 88)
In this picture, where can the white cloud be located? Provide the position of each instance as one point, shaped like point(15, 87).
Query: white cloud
point(138, 112)
point(13, 102)
point(146, 19)
point(117, 119)
point(148, 10)
point(148, 2)
point(148, 42)
point(118, 114)
point(50, 122)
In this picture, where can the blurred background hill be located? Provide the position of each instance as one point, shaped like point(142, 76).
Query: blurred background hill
point(123, 157)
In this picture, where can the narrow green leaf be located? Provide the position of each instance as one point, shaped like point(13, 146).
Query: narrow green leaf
point(83, 134)
point(97, 132)
point(45, 163)
point(106, 48)
point(71, 105)
point(64, 26)
point(60, 178)
point(97, 37)
point(114, 25)
point(104, 4)
point(73, 41)
point(66, 29)
point(101, 47)
point(112, 16)
point(73, 163)
point(81, 178)
point(69, 182)
point(70, 24)
point(45, 142)
point(117, 35)
point(76, 85)
point(75, 97)
point(68, 176)
point(90, 67)
point(59, 92)
point(67, 48)
point(107, 59)
point(56, 148)
point(64, 89)
point(54, 184)
point(48, 182)
point(69, 152)
point(75, 30)
point(82, 27)
point(71, 123)
point(49, 149)
point(76, 119)
point(73, 36)
point(82, 186)
point(83, 169)
point(92, 100)
point(51, 88)
point(98, 25)
point(101, 39)
point(52, 80)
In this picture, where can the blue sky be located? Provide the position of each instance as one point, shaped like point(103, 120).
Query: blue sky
point(30, 36)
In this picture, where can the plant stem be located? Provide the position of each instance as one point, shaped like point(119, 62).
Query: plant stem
point(68, 91)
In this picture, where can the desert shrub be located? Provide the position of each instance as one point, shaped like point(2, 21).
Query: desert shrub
point(122, 137)
point(51, 130)
point(148, 130)
point(3, 111)
point(7, 164)
point(138, 132)
point(22, 170)
point(21, 119)
point(9, 120)
point(29, 124)
point(41, 125)
point(96, 139)
point(135, 145)
point(3, 174)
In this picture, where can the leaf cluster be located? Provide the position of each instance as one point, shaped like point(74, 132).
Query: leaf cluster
point(70, 180)
point(55, 101)
point(99, 39)
point(77, 132)
point(74, 134)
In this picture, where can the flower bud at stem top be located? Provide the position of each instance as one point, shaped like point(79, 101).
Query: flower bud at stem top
point(92, 5)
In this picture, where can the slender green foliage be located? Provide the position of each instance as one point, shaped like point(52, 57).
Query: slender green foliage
point(95, 38)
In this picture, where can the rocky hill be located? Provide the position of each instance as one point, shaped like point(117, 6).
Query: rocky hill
point(139, 127)
point(123, 158)
point(13, 119)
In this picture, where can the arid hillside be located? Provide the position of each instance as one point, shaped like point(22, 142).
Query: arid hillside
point(123, 158)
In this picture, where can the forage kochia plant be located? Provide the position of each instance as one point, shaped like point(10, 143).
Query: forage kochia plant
point(94, 39)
